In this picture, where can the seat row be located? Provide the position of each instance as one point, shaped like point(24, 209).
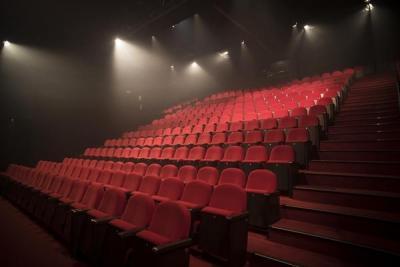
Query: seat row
point(85, 213)
point(299, 118)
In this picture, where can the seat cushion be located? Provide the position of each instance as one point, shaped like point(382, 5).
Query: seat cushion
point(257, 191)
point(66, 200)
point(220, 212)
point(189, 205)
point(152, 237)
point(97, 214)
point(79, 206)
point(160, 198)
point(123, 225)
point(55, 195)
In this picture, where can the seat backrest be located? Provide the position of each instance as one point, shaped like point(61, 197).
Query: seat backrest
point(134, 153)
point(168, 171)
point(197, 192)
point(155, 153)
point(78, 189)
point(167, 141)
point(317, 110)
point(274, 136)
point(256, 153)
point(178, 140)
point(204, 139)
point(232, 176)
point(104, 177)
point(196, 153)
point(139, 210)
point(221, 127)
point(128, 167)
point(171, 188)
point(282, 153)
point(149, 185)
point(113, 202)
point(251, 125)
point(153, 169)
point(84, 173)
point(197, 129)
point(171, 220)
point(108, 165)
point(214, 153)
point(181, 153)
point(297, 112)
point(229, 197)
point(233, 153)
point(263, 181)
point(218, 138)
point(253, 137)
point(65, 187)
point(209, 128)
point(191, 139)
point(187, 173)
point(167, 153)
point(117, 166)
point(132, 181)
point(93, 195)
point(235, 138)
point(287, 122)
point(117, 178)
point(94, 175)
point(297, 135)
point(308, 121)
point(268, 124)
point(236, 126)
point(144, 153)
point(208, 175)
point(140, 168)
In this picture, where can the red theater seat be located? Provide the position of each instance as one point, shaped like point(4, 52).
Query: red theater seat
point(168, 171)
point(218, 139)
point(253, 137)
point(170, 189)
point(196, 195)
point(234, 138)
point(232, 176)
point(208, 175)
point(187, 173)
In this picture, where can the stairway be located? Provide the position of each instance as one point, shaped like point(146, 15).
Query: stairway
point(346, 205)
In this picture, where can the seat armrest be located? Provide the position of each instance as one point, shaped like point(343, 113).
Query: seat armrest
point(172, 246)
point(239, 216)
point(131, 233)
point(103, 220)
point(76, 211)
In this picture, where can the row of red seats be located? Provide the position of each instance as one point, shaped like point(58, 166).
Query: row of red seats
point(78, 194)
point(299, 120)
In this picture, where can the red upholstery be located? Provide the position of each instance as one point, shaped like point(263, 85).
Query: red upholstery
point(91, 199)
point(153, 170)
point(140, 168)
point(256, 154)
point(236, 126)
point(78, 189)
point(167, 153)
point(181, 153)
point(251, 125)
point(297, 135)
point(287, 122)
point(268, 124)
point(308, 121)
point(317, 110)
point(144, 153)
point(168, 171)
point(232, 176)
point(117, 179)
point(170, 189)
point(187, 173)
point(191, 139)
point(196, 153)
point(221, 127)
point(274, 136)
point(227, 200)
point(104, 177)
point(233, 154)
point(213, 153)
point(235, 138)
point(253, 137)
point(196, 195)
point(112, 204)
point(282, 154)
point(178, 140)
point(262, 181)
point(137, 214)
point(208, 175)
point(170, 223)
point(204, 139)
point(218, 138)
point(132, 182)
point(149, 185)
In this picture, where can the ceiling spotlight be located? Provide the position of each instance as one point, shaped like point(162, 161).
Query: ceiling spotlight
point(367, 1)
point(243, 43)
point(6, 43)
point(172, 67)
point(224, 54)
point(369, 6)
point(294, 25)
point(117, 41)
point(307, 27)
point(173, 26)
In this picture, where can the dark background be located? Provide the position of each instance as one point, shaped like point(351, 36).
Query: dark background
point(58, 93)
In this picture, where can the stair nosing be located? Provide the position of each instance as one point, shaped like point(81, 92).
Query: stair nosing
point(350, 174)
point(320, 236)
